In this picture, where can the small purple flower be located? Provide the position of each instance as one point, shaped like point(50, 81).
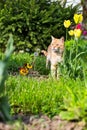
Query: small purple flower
point(85, 33)
point(36, 54)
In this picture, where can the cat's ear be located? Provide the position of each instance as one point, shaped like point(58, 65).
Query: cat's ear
point(62, 39)
point(52, 38)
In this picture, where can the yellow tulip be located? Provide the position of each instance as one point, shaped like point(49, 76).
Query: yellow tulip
point(78, 18)
point(71, 32)
point(77, 33)
point(67, 23)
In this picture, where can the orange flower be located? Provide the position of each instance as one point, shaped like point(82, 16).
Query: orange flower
point(23, 71)
point(28, 66)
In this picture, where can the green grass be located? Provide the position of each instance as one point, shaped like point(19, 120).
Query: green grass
point(66, 97)
point(34, 95)
point(46, 96)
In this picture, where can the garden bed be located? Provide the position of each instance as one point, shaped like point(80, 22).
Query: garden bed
point(42, 122)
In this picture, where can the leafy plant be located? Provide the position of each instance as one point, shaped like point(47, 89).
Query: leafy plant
point(75, 104)
point(4, 106)
point(75, 49)
point(73, 64)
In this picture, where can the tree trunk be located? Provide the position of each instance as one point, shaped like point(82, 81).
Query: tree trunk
point(84, 5)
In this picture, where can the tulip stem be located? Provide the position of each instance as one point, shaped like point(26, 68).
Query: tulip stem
point(66, 33)
point(76, 40)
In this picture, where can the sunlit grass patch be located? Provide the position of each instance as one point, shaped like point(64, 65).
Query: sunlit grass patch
point(40, 96)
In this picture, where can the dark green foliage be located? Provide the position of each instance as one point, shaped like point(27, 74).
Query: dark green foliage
point(32, 22)
point(18, 60)
point(40, 65)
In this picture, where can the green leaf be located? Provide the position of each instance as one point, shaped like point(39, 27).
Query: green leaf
point(68, 115)
point(2, 75)
point(5, 108)
point(9, 48)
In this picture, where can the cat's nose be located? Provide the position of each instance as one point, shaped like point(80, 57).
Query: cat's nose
point(55, 46)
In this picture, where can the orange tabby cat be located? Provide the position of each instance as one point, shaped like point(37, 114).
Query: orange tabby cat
point(54, 54)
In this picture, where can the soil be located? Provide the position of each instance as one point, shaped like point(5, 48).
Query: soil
point(43, 122)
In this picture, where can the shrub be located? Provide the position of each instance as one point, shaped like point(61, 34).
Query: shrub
point(32, 22)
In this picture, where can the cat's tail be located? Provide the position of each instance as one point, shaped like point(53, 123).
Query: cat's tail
point(44, 52)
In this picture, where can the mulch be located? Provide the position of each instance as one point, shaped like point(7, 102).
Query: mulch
point(41, 122)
